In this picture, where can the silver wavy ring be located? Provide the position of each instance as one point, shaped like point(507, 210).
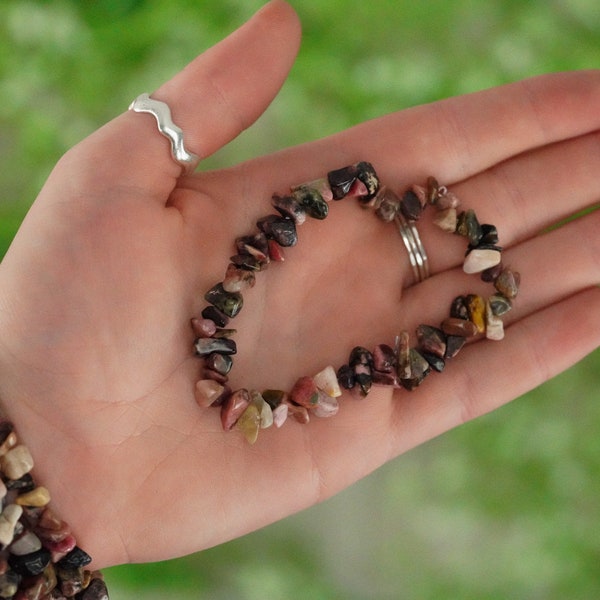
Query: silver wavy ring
point(416, 251)
point(162, 113)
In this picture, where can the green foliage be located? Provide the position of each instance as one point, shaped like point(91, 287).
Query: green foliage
point(505, 507)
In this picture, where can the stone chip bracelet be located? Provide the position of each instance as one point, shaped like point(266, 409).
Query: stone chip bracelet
point(398, 365)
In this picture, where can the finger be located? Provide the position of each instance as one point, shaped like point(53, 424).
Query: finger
point(212, 100)
point(526, 194)
point(557, 265)
point(522, 196)
point(489, 375)
point(461, 136)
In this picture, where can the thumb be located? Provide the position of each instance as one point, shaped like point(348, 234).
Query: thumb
point(213, 99)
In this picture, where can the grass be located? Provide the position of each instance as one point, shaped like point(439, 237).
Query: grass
point(504, 507)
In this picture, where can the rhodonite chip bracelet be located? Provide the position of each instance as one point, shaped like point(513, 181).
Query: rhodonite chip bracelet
point(397, 365)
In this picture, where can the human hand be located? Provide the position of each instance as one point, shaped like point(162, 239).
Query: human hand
point(116, 254)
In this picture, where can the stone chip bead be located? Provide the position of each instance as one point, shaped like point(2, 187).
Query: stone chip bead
point(265, 412)
point(459, 327)
point(477, 307)
point(389, 379)
point(27, 543)
point(410, 206)
point(217, 316)
point(254, 245)
point(454, 344)
point(38, 497)
point(221, 363)
point(208, 392)
point(16, 462)
point(366, 174)
point(9, 584)
point(299, 413)
point(290, 206)
point(280, 414)
point(432, 340)
point(403, 352)
point(8, 438)
point(437, 363)
point(326, 406)
point(388, 205)
point(490, 275)
point(61, 548)
point(33, 563)
point(249, 423)
point(8, 520)
point(446, 220)
point(51, 529)
point(71, 581)
point(204, 327)
point(305, 392)
point(280, 229)
point(494, 326)
point(468, 226)
point(459, 308)
point(238, 279)
point(275, 398)
point(499, 304)
point(233, 408)
point(481, 259)
point(385, 359)
point(21, 485)
point(508, 283)
point(312, 202)
point(345, 377)
point(326, 380)
point(246, 261)
point(96, 590)
point(230, 303)
point(341, 181)
point(276, 251)
point(206, 346)
point(419, 369)
point(361, 361)
point(489, 235)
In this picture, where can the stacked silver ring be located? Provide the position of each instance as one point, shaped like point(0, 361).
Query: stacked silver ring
point(416, 251)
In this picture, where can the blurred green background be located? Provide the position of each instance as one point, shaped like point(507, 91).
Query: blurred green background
point(504, 507)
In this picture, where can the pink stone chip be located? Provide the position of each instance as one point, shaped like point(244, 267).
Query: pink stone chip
point(327, 406)
point(207, 392)
point(305, 392)
point(233, 408)
point(280, 414)
point(204, 327)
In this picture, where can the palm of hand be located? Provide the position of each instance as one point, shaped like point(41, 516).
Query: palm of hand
point(111, 320)
point(106, 273)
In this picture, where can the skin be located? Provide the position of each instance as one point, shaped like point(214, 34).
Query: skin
point(97, 290)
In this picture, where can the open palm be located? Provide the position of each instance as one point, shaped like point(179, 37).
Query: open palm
point(114, 258)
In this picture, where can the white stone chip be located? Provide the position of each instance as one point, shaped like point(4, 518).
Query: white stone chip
point(326, 380)
point(494, 329)
point(479, 260)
